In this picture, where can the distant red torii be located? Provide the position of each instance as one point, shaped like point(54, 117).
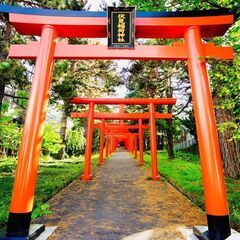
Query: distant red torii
point(151, 115)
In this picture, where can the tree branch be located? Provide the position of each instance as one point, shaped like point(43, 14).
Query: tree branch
point(17, 97)
point(184, 107)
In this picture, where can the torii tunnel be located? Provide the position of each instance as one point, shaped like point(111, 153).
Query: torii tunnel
point(120, 134)
point(151, 115)
point(51, 25)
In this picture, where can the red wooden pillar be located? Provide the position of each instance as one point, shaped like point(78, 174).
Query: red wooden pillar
point(110, 145)
point(100, 161)
point(126, 144)
point(88, 151)
point(107, 146)
point(29, 153)
point(211, 162)
point(153, 143)
point(116, 142)
point(141, 142)
point(135, 147)
point(132, 143)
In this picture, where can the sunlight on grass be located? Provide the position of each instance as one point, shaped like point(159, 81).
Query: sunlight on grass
point(53, 176)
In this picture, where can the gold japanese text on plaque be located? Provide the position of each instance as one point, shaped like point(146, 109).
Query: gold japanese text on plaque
point(121, 27)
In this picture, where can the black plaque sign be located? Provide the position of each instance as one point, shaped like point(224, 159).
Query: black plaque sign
point(121, 27)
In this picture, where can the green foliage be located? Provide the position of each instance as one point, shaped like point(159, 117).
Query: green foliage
point(23, 98)
point(41, 210)
point(231, 127)
point(53, 176)
point(153, 5)
point(10, 133)
point(14, 71)
point(5, 107)
point(76, 140)
point(7, 166)
point(83, 78)
point(52, 142)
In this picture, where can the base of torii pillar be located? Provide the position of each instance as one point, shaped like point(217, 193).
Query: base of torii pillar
point(37, 231)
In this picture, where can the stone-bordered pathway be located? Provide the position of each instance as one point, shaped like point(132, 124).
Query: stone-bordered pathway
point(119, 202)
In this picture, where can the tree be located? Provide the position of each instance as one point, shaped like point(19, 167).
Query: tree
point(226, 97)
point(80, 78)
point(12, 72)
point(10, 134)
point(52, 142)
point(159, 79)
point(189, 123)
point(76, 140)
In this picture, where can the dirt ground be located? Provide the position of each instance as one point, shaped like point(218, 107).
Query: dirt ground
point(120, 201)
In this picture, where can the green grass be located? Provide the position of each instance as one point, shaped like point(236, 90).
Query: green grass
point(184, 172)
point(53, 176)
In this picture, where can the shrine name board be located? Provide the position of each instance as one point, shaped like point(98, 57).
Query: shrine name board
point(121, 27)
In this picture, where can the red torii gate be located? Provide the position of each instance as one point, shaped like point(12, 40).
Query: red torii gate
point(120, 129)
point(151, 115)
point(49, 24)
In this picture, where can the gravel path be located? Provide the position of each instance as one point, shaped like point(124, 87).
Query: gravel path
point(119, 202)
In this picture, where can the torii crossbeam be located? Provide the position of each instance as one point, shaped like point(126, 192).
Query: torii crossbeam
point(151, 115)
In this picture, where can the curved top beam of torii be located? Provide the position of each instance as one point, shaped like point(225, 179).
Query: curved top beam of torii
point(83, 24)
point(126, 101)
point(123, 101)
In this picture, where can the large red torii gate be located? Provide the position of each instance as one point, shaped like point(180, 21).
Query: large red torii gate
point(50, 25)
point(151, 115)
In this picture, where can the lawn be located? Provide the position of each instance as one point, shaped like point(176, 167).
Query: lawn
point(184, 172)
point(53, 176)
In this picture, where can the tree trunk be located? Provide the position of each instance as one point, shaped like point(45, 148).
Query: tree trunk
point(170, 139)
point(160, 141)
point(229, 149)
point(63, 132)
point(146, 143)
point(170, 126)
point(2, 89)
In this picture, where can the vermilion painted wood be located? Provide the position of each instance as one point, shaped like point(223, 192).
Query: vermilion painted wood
point(126, 135)
point(141, 52)
point(141, 153)
point(211, 161)
point(135, 155)
point(153, 142)
point(127, 101)
point(88, 149)
point(29, 154)
point(120, 127)
point(124, 116)
point(102, 130)
point(96, 27)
